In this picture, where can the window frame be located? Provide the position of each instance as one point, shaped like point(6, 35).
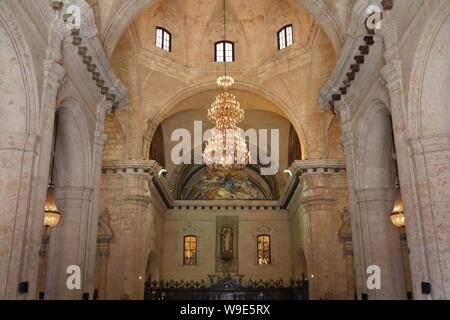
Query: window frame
point(164, 32)
point(269, 250)
point(224, 42)
point(285, 28)
point(190, 249)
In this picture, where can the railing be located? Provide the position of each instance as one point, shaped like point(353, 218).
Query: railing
point(226, 289)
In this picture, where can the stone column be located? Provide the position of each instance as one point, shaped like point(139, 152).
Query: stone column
point(381, 242)
point(23, 181)
point(17, 154)
point(322, 182)
point(127, 197)
point(346, 235)
point(100, 139)
point(347, 141)
point(42, 263)
point(423, 165)
point(406, 262)
point(431, 163)
point(68, 242)
point(102, 267)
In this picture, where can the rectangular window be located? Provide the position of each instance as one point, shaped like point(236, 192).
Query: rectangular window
point(282, 39)
point(264, 254)
point(224, 51)
point(289, 36)
point(285, 37)
point(163, 39)
point(190, 250)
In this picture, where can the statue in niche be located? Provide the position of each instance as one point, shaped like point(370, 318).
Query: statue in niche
point(226, 243)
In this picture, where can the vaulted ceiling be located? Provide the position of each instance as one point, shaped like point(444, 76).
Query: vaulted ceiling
point(159, 81)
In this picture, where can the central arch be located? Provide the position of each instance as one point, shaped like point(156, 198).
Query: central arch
point(169, 108)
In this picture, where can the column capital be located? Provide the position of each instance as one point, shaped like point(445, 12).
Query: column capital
point(392, 74)
point(104, 107)
point(100, 139)
point(54, 73)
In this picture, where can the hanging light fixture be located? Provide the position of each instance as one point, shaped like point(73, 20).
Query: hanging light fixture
point(227, 146)
point(52, 214)
point(398, 215)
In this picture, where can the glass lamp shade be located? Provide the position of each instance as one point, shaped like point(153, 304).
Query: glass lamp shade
point(52, 214)
point(397, 215)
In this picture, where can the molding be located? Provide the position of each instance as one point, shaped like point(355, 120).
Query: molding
point(88, 34)
point(356, 35)
point(430, 144)
point(19, 141)
point(149, 167)
point(317, 200)
point(376, 194)
point(73, 193)
point(319, 166)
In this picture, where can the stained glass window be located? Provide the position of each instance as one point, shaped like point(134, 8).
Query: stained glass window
point(190, 250)
point(264, 254)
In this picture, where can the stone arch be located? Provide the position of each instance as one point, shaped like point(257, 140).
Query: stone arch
point(73, 148)
point(374, 149)
point(69, 240)
point(19, 142)
point(167, 110)
point(124, 16)
point(427, 103)
point(16, 56)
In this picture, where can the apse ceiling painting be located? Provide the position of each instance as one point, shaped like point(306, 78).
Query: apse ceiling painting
point(228, 185)
point(206, 183)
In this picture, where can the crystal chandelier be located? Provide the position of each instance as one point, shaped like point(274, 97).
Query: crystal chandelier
point(51, 212)
point(227, 146)
point(398, 215)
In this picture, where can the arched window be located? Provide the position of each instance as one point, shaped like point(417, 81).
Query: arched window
point(285, 37)
point(190, 250)
point(224, 51)
point(263, 252)
point(163, 39)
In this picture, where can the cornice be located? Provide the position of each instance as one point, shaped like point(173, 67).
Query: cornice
point(317, 166)
point(84, 39)
point(357, 58)
point(149, 167)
